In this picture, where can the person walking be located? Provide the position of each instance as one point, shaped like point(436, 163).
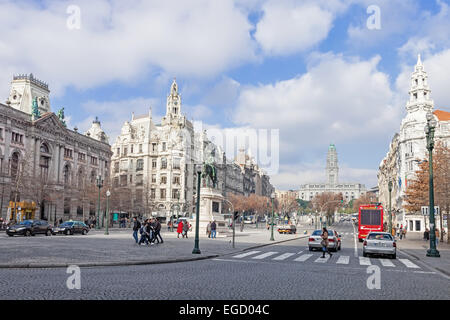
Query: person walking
point(208, 230)
point(158, 231)
point(185, 229)
point(324, 243)
point(437, 236)
point(144, 233)
point(404, 232)
point(136, 227)
point(426, 234)
point(213, 229)
point(180, 228)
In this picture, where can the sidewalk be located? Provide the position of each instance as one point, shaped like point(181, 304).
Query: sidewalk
point(415, 246)
point(119, 248)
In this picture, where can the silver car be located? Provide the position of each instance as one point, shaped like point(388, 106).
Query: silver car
point(381, 243)
point(334, 241)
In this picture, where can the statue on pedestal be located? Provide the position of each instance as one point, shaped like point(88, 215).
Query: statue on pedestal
point(209, 170)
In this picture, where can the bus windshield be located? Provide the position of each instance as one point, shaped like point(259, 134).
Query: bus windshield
point(370, 217)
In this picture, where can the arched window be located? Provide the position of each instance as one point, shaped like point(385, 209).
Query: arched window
point(66, 173)
point(44, 161)
point(44, 148)
point(14, 165)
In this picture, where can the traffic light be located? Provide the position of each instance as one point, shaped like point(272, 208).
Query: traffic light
point(236, 215)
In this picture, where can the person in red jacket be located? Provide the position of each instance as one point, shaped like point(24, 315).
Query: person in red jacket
point(179, 229)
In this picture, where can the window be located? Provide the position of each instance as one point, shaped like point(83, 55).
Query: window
point(94, 161)
point(131, 148)
point(417, 225)
point(175, 194)
point(125, 151)
point(163, 193)
point(176, 180)
point(123, 180)
point(154, 147)
point(16, 138)
point(139, 179)
point(116, 182)
point(44, 165)
point(81, 157)
point(118, 151)
point(153, 193)
point(153, 163)
point(116, 167)
point(124, 165)
point(163, 146)
point(140, 165)
point(1, 133)
point(68, 153)
point(79, 210)
point(176, 163)
point(163, 163)
point(140, 148)
point(66, 173)
point(153, 178)
point(131, 178)
point(163, 179)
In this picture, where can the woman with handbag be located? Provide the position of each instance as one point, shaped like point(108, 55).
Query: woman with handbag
point(324, 243)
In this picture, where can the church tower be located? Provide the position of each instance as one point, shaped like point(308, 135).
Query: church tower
point(419, 92)
point(332, 165)
point(173, 106)
point(26, 90)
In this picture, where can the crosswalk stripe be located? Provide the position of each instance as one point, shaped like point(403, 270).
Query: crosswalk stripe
point(265, 255)
point(303, 257)
point(364, 261)
point(343, 260)
point(246, 254)
point(409, 264)
point(322, 260)
point(387, 263)
point(284, 256)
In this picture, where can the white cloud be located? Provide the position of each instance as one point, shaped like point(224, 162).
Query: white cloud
point(288, 27)
point(121, 40)
point(113, 114)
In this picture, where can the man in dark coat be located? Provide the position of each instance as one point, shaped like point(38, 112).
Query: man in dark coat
point(157, 227)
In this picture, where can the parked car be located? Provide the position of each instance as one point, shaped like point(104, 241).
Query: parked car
point(29, 228)
point(71, 227)
point(381, 243)
point(291, 229)
point(334, 240)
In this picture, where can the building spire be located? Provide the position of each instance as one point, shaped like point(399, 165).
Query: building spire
point(419, 61)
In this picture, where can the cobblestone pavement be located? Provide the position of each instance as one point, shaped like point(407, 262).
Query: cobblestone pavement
point(278, 271)
point(119, 247)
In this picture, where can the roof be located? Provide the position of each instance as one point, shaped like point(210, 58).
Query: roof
point(442, 115)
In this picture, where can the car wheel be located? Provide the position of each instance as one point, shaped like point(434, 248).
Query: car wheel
point(84, 232)
point(27, 233)
point(11, 235)
point(49, 233)
point(67, 232)
point(339, 247)
point(364, 254)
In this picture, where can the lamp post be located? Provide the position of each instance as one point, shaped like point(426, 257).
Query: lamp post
point(272, 196)
point(108, 194)
point(197, 211)
point(429, 132)
point(99, 185)
point(390, 209)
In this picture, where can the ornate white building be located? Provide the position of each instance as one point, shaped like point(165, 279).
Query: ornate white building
point(408, 147)
point(43, 161)
point(156, 162)
point(349, 190)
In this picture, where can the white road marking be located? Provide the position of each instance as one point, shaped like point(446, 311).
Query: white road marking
point(364, 261)
point(409, 264)
point(354, 237)
point(299, 252)
point(246, 254)
point(387, 263)
point(265, 255)
point(322, 260)
point(343, 260)
point(303, 257)
point(284, 256)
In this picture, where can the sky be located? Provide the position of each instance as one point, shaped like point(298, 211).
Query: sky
point(305, 73)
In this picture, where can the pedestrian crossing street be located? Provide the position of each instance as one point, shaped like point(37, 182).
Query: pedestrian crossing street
point(338, 259)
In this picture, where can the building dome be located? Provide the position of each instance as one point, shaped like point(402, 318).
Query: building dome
point(96, 132)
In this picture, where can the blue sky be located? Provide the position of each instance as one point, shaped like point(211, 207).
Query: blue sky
point(311, 69)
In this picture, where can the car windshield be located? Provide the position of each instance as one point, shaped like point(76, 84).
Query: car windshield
point(379, 236)
point(26, 222)
point(319, 233)
point(66, 224)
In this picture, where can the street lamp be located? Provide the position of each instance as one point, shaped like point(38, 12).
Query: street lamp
point(429, 132)
point(108, 194)
point(197, 211)
point(272, 196)
point(234, 232)
point(99, 185)
point(390, 210)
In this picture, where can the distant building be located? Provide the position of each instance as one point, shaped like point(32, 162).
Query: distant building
point(349, 190)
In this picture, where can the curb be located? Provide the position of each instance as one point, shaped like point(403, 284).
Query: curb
point(444, 273)
point(133, 263)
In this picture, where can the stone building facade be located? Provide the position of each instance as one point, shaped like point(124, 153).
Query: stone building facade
point(408, 147)
point(43, 161)
point(349, 190)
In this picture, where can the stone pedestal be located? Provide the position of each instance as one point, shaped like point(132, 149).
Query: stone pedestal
point(210, 208)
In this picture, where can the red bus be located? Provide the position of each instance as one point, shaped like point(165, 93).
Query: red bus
point(370, 218)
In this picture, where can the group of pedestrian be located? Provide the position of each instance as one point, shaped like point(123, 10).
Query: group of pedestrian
point(183, 228)
point(426, 235)
point(211, 229)
point(150, 231)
